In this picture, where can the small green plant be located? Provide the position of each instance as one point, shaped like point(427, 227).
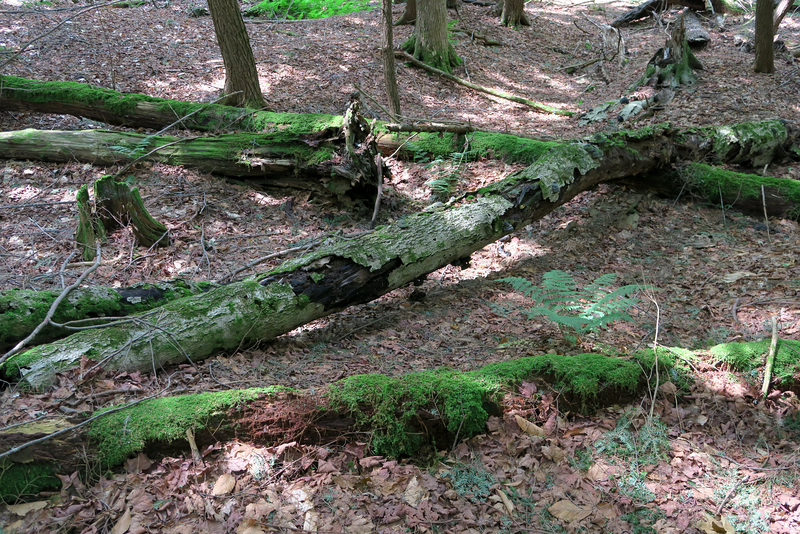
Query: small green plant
point(471, 481)
point(446, 172)
point(306, 9)
point(586, 309)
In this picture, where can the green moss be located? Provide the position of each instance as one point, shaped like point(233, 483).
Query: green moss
point(748, 142)
point(121, 434)
point(747, 356)
point(20, 481)
point(393, 407)
point(212, 116)
point(711, 181)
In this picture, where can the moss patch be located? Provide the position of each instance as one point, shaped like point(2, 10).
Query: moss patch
point(18, 481)
point(398, 410)
point(123, 433)
point(751, 355)
point(710, 181)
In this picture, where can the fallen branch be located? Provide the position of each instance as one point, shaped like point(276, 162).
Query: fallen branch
point(538, 106)
point(770, 357)
point(432, 127)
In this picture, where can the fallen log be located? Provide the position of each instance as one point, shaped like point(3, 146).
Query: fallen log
point(358, 270)
point(412, 415)
point(21, 311)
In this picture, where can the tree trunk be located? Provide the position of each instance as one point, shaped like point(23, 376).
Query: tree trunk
point(765, 53)
point(514, 13)
point(23, 310)
point(781, 9)
point(326, 161)
point(429, 41)
point(241, 77)
point(409, 16)
point(389, 69)
point(354, 271)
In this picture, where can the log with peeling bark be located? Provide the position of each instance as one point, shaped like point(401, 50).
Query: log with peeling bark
point(22, 310)
point(356, 270)
point(314, 163)
point(653, 7)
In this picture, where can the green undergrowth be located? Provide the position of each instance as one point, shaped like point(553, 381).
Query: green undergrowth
point(306, 9)
point(121, 434)
point(21, 481)
point(711, 182)
point(400, 411)
point(747, 356)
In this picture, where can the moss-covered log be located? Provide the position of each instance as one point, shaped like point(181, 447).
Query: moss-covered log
point(416, 415)
point(277, 159)
point(141, 111)
point(21, 311)
point(357, 270)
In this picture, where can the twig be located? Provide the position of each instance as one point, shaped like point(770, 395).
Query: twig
point(379, 164)
point(494, 92)
point(782, 468)
point(54, 306)
point(83, 423)
point(267, 257)
point(770, 357)
point(728, 495)
point(54, 28)
point(35, 205)
point(764, 203)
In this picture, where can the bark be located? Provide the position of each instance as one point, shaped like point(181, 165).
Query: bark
point(782, 7)
point(654, 7)
point(765, 52)
point(358, 270)
point(241, 76)
point(23, 310)
point(409, 16)
point(514, 13)
point(429, 42)
point(326, 161)
point(389, 68)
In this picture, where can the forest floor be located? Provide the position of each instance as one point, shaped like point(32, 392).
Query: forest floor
point(719, 275)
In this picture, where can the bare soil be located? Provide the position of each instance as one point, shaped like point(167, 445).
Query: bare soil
point(720, 276)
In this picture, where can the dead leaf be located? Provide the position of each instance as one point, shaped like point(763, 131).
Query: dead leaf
point(528, 427)
point(668, 388)
point(597, 472)
point(413, 493)
point(712, 525)
point(123, 524)
point(224, 485)
point(25, 508)
point(249, 526)
point(554, 453)
point(568, 511)
point(506, 501)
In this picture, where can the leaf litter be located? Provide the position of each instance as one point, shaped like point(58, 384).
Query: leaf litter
point(726, 463)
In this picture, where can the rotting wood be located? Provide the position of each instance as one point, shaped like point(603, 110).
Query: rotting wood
point(432, 127)
point(354, 271)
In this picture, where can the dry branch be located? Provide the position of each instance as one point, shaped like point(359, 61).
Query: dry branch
point(538, 106)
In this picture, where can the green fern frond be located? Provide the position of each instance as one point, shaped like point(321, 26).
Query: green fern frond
point(582, 309)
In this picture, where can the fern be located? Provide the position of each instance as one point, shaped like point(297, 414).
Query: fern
point(585, 309)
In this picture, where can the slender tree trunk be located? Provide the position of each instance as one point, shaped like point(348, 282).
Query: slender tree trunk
point(409, 15)
point(429, 42)
point(389, 69)
point(241, 76)
point(514, 13)
point(781, 9)
point(765, 52)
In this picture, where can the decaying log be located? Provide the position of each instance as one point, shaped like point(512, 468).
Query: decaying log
point(23, 310)
point(358, 270)
point(653, 7)
point(696, 34)
point(432, 127)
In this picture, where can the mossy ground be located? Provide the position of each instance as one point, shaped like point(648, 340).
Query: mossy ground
point(18, 481)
